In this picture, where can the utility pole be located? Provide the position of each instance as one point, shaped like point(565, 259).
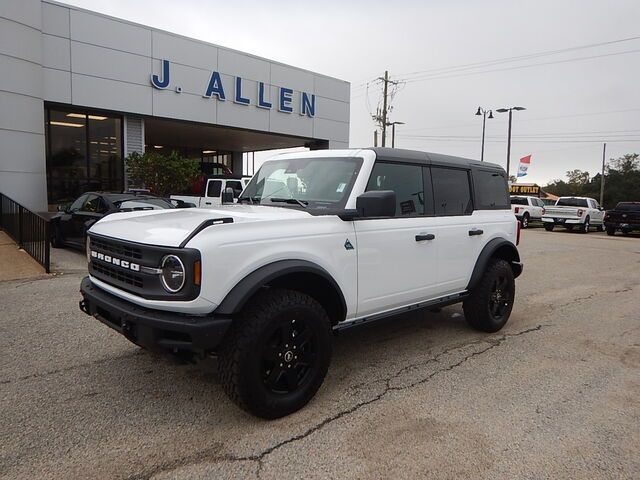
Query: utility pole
point(375, 138)
point(384, 107)
point(604, 153)
point(510, 110)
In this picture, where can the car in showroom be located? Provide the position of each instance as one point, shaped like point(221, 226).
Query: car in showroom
point(318, 242)
point(69, 226)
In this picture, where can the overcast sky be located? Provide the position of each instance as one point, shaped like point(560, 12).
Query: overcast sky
point(572, 106)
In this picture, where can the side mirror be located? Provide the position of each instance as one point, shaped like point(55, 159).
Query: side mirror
point(377, 203)
point(227, 195)
point(63, 207)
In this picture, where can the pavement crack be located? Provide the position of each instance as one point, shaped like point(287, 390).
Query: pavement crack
point(260, 457)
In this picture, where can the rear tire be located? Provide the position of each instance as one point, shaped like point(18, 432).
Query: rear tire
point(489, 305)
point(611, 231)
point(584, 228)
point(525, 220)
point(276, 355)
point(549, 227)
point(600, 227)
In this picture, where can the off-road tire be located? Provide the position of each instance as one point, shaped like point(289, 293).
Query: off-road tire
point(584, 228)
point(611, 231)
point(477, 306)
point(245, 347)
point(525, 220)
point(549, 227)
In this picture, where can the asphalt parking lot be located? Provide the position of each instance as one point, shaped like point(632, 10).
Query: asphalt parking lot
point(556, 394)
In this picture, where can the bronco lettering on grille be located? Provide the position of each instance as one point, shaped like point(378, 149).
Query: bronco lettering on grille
point(115, 261)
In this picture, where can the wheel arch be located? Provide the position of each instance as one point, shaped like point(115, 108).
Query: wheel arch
point(496, 248)
point(299, 275)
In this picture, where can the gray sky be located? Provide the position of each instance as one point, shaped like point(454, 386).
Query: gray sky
point(356, 41)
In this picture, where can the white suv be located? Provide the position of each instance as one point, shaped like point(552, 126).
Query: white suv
point(318, 241)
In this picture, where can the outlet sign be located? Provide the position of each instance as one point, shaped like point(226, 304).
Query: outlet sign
point(241, 95)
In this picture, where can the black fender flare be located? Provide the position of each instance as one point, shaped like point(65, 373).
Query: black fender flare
point(498, 247)
point(249, 285)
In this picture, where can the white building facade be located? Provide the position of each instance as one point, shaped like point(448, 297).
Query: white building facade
point(79, 91)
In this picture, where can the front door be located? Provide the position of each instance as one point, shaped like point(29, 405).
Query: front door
point(397, 256)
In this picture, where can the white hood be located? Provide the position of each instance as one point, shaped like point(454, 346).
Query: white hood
point(171, 227)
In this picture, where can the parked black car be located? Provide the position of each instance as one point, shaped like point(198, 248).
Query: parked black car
point(70, 225)
point(625, 217)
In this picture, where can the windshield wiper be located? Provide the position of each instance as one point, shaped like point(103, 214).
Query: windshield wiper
point(302, 203)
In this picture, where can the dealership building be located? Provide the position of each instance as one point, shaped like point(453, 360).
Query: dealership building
point(79, 91)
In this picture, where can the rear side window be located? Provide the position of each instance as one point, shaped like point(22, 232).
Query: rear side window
point(214, 188)
point(451, 191)
point(405, 180)
point(491, 190)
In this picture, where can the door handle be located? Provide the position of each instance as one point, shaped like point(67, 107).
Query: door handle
point(425, 236)
point(475, 231)
point(207, 203)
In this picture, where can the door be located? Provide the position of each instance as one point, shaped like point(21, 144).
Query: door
point(212, 196)
point(67, 225)
point(397, 255)
point(597, 216)
point(536, 208)
point(461, 232)
point(92, 210)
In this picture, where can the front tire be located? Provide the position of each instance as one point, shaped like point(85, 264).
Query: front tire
point(525, 220)
point(489, 305)
point(277, 353)
point(549, 227)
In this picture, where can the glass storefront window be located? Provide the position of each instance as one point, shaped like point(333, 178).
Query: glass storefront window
point(84, 153)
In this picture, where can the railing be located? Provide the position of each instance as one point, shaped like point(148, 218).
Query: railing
point(29, 230)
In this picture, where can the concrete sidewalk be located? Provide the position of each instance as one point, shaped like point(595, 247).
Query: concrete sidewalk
point(16, 263)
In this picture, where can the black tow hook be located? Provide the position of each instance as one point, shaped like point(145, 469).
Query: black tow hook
point(84, 306)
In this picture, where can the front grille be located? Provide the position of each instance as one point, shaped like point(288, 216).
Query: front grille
point(118, 274)
point(116, 248)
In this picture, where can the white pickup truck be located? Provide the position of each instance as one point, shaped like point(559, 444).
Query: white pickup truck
point(527, 209)
point(570, 212)
point(212, 192)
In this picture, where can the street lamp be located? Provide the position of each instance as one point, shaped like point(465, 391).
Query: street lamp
point(483, 112)
point(393, 132)
point(510, 110)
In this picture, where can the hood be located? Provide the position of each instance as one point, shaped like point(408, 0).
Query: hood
point(171, 227)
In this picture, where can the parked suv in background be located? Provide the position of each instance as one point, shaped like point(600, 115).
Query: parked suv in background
point(625, 217)
point(527, 209)
point(570, 212)
point(319, 241)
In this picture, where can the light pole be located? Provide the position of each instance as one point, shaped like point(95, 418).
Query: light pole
point(510, 110)
point(393, 132)
point(483, 112)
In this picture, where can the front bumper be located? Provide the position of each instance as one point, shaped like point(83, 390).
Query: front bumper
point(154, 329)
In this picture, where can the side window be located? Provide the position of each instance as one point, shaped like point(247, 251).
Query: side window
point(237, 187)
point(540, 202)
point(492, 190)
point(92, 204)
point(75, 206)
point(405, 180)
point(451, 191)
point(214, 188)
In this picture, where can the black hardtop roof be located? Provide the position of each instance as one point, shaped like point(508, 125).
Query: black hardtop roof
point(428, 158)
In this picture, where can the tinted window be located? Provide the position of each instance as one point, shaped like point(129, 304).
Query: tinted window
point(236, 186)
point(93, 204)
point(572, 202)
point(78, 203)
point(491, 190)
point(451, 192)
point(405, 180)
point(518, 201)
point(214, 188)
point(628, 207)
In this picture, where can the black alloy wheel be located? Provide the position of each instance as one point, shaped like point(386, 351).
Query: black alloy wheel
point(500, 297)
point(525, 220)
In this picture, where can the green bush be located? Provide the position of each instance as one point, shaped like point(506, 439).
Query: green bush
point(164, 175)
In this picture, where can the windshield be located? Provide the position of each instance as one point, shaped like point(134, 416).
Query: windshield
point(518, 201)
point(572, 202)
point(320, 183)
point(144, 204)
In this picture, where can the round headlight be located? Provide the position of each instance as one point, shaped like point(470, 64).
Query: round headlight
point(173, 274)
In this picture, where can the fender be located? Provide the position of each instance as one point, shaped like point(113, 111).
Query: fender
point(498, 247)
point(249, 285)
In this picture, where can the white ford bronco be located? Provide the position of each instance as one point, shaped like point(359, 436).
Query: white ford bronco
point(317, 242)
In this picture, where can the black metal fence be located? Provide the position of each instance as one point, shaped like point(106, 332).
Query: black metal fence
point(29, 230)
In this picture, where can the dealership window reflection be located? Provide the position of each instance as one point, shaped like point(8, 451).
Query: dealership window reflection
point(84, 152)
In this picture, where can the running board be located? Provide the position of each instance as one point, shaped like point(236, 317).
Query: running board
point(436, 303)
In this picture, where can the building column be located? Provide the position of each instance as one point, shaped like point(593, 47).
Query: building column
point(23, 171)
point(237, 163)
point(133, 140)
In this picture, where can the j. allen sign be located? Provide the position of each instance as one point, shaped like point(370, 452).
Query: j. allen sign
point(215, 88)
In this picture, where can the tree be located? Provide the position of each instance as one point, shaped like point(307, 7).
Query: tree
point(162, 174)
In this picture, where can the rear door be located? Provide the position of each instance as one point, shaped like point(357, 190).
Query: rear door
point(212, 193)
point(397, 255)
point(597, 214)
